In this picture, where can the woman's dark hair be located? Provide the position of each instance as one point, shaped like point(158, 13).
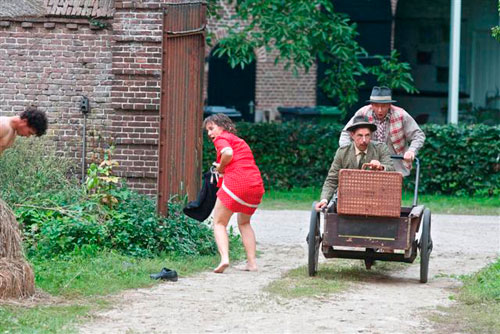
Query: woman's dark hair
point(221, 120)
point(36, 119)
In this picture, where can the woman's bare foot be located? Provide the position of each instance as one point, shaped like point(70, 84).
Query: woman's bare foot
point(221, 267)
point(247, 267)
point(251, 268)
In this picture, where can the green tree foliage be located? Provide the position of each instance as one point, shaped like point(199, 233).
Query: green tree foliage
point(495, 31)
point(455, 160)
point(300, 32)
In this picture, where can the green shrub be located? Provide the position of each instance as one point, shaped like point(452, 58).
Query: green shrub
point(455, 160)
point(58, 216)
point(31, 170)
point(290, 154)
point(460, 160)
point(132, 227)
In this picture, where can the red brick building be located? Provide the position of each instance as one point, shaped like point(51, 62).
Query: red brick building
point(269, 86)
point(53, 52)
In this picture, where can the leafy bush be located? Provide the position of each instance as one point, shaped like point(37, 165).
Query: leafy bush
point(59, 216)
point(460, 160)
point(454, 160)
point(132, 227)
point(31, 171)
point(290, 154)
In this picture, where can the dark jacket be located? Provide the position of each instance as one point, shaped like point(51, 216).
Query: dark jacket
point(201, 208)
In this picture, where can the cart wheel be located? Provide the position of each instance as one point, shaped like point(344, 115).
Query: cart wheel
point(313, 239)
point(425, 246)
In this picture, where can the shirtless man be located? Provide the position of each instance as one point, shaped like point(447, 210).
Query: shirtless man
point(30, 122)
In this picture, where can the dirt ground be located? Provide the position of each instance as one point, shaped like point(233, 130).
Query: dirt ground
point(234, 302)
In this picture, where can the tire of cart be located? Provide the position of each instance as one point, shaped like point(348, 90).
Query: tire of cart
point(425, 245)
point(314, 241)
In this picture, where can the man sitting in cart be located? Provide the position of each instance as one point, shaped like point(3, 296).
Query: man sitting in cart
point(395, 127)
point(362, 150)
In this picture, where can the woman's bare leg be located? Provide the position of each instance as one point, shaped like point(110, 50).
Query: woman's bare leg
point(248, 238)
point(221, 219)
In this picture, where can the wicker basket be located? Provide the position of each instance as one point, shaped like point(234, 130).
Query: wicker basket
point(369, 193)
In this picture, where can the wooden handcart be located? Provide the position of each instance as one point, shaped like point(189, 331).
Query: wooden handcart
point(370, 229)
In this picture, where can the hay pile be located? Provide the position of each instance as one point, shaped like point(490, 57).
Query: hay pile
point(16, 276)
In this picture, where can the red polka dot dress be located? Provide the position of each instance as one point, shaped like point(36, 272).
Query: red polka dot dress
point(241, 188)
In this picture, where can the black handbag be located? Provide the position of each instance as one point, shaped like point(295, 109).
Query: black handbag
point(201, 208)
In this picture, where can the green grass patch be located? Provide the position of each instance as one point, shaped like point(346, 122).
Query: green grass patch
point(83, 280)
point(332, 277)
point(454, 205)
point(111, 272)
point(40, 319)
point(302, 198)
point(477, 307)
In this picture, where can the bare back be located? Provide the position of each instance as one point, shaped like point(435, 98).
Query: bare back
point(7, 133)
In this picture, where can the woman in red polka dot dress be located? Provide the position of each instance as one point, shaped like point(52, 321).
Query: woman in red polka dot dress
point(240, 188)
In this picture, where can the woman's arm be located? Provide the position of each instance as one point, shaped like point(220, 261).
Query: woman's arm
point(225, 158)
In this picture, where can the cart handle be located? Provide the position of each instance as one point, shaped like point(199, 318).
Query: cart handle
point(417, 176)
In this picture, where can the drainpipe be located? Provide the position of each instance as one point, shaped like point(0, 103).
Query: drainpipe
point(394, 6)
point(85, 109)
point(454, 67)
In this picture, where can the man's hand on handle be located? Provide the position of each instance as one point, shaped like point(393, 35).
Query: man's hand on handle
point(409, 156)
point(320, 205)
point(373, 165)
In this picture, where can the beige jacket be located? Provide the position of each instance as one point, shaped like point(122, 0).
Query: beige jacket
point(345, 158)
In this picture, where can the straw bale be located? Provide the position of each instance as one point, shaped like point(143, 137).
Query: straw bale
point(10, 237)
point(16, 279)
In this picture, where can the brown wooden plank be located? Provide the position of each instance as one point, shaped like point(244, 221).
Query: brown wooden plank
point(179, 147)
point(367, 232)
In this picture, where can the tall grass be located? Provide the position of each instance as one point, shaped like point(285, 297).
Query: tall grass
point(31, 171)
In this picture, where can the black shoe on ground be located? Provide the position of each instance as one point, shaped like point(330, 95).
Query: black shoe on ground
point(165, 274)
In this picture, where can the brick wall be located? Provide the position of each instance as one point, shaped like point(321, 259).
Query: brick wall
point(135, 94)
point(274, 85)
point(278, 87)
point(54, 61)
point(53, 64)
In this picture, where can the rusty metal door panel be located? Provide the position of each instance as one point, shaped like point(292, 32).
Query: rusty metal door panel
point(181, 109)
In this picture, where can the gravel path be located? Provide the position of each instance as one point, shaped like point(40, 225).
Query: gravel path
point(235, 303)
